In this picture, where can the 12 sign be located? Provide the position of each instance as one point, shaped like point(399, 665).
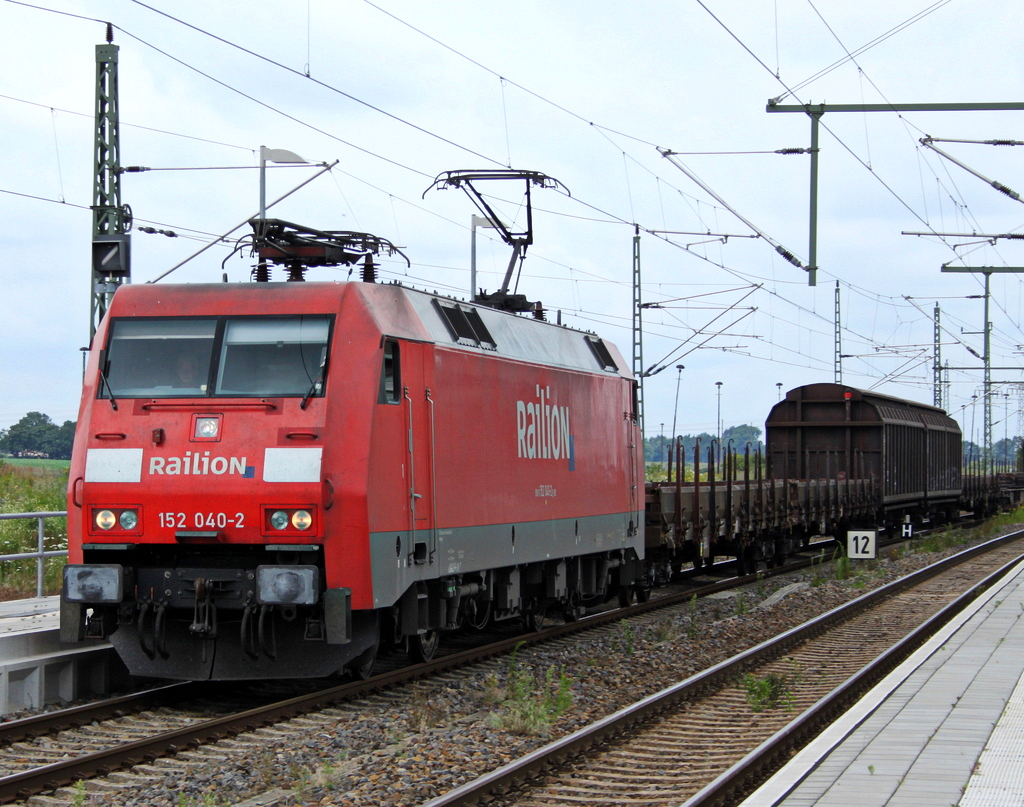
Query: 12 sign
point(860, 545)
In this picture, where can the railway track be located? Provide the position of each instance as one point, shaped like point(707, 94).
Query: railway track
point(712, 738)
point(47, 751)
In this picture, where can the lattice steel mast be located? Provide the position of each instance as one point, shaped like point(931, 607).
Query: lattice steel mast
point(110, 219)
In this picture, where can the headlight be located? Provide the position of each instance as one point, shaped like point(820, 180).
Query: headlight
point(287, 585)
point(207, 428)
point(116, 519)
point(289, 520)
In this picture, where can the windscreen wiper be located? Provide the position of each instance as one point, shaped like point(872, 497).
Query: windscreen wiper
point(313, 387)
point(110, 392)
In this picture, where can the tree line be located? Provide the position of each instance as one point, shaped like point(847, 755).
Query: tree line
point(37, 435)
point(656, 448)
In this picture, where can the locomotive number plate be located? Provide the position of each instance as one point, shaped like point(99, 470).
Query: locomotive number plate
point(861, 545)
point(199, 521)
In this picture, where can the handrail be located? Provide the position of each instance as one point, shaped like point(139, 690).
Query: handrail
point(40, 554)
point(209, 403)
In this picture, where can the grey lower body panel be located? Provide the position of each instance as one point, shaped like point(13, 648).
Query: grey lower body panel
point(396, 563)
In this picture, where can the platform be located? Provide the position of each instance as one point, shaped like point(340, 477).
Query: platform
point(36, 669)
point(944, 728)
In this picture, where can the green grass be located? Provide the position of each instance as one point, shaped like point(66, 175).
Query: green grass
point(767, 692)
point(529, 704)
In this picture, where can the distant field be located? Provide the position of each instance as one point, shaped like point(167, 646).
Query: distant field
point(57, 466)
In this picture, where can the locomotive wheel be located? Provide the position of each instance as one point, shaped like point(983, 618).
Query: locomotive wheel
point(362, 667)
point(534, 619)
point(643, 592)
point(573, 610)
point(625, 596)
point(422, 646)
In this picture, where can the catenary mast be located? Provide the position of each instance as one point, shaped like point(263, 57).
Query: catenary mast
point(110, 219)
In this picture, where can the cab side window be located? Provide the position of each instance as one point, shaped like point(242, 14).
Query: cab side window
point(390, 375)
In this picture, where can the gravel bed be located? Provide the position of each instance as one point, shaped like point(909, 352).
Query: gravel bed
point(405, 747)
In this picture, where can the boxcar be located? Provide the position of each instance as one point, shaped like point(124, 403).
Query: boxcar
point(911, 451)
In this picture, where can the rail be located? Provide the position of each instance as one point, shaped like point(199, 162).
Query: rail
point(41, 553)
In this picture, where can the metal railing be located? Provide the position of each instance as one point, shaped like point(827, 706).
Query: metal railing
point(41, 554)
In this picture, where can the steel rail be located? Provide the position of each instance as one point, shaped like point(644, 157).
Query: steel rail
point(49, 777)
point(538, 762)
point(777, 749)
point(28, 728)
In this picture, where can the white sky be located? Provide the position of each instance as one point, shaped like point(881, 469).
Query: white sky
point(589, 90)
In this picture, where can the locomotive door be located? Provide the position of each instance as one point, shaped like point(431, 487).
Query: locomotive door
point(419, 408)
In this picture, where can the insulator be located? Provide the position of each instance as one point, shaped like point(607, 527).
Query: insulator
point(792, 150)
point(789, 256)
point(1008, 191)
point(369, 269)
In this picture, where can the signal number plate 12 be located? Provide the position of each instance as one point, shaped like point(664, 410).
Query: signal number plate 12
point(860, 545)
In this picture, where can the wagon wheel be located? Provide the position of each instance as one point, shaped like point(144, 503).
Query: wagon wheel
point(422, 646)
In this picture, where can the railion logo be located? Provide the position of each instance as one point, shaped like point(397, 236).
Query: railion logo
point(196, 464)
point(543, 431)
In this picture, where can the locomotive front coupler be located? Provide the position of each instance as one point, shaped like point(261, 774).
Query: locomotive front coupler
point(204, 612)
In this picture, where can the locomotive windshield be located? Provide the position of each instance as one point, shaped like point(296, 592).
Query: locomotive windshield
point(229, 357)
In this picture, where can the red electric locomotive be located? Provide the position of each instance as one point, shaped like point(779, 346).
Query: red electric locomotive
point(271, 479)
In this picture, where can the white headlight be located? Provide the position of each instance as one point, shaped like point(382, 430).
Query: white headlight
point(207, 427)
